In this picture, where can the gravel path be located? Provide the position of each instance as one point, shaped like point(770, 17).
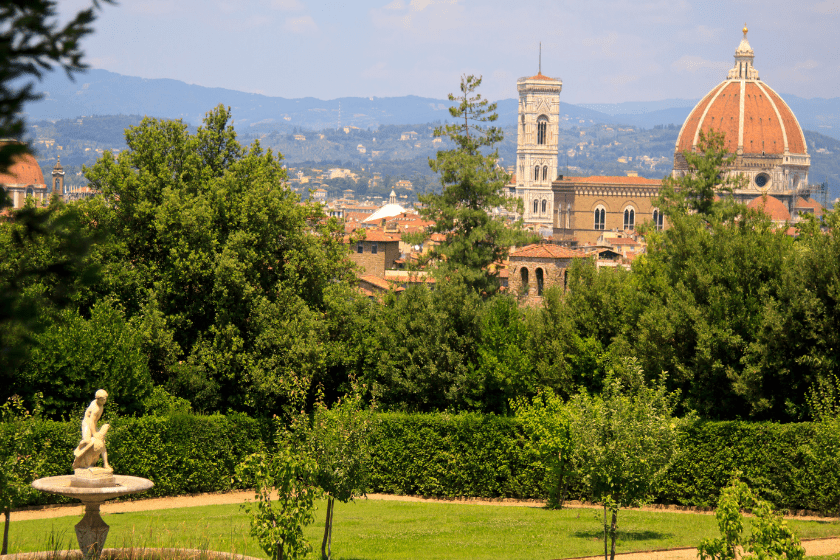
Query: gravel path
point(815, 547)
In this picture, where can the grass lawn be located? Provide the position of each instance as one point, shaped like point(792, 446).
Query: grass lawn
point(371, 529)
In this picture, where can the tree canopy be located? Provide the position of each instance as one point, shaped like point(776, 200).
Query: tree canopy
point(473, 186)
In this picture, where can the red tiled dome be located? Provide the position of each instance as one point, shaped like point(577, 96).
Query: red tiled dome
point(752, 116)
point(771, 206)
point(24, 171)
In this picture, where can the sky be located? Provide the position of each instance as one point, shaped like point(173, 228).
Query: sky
point(605, 51)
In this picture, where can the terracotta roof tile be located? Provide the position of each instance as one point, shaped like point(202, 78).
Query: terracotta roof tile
point(547, 252)
point(771, 206)
point(379, 236)
point(376, 281)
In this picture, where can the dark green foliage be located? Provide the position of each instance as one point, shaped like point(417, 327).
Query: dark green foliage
point(76, 356)
point(473, 185)
point(793, 466)
point(180, 454)
point(424, 350)
point(454, 455)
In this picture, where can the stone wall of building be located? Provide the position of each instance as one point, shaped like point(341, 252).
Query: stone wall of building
point(375, 263)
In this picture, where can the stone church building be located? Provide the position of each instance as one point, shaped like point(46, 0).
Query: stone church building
point(760, 130)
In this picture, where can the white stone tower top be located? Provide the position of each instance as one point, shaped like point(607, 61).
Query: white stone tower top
point(537, 144)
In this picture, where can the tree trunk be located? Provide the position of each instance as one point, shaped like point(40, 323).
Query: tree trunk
point(327, 542)
point(7, 515)
point(613, 532)
point(564, 482)
point(606, 541)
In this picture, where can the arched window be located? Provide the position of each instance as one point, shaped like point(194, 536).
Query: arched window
point(57, 184)
point(544, 206)
point(30, 191)
point(629, 218)
point(542, 127)
point(523, 275)
point(537, 173)
point(536, 206)
point(658, 219)
point(600, 217)
point(545, 172)
point(539, 282)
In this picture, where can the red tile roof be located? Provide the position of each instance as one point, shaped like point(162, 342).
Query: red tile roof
point(547, 252)
point(379, 236)
point(810, 203)
point(771, 206)
point(376, 281)
point(540, 76)
point(24, 171)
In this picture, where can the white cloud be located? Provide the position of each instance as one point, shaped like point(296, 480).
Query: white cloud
point(376, 71)
point(606, 43)
point(809, 64)
point(152, 7)
point(696, 64)
point(828, 7)
point(621, 79)
point(700, 34)
point(302, 25)
point(287, 5)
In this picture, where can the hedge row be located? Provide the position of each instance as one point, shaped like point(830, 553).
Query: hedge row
point(795, 466)
point(180, 454)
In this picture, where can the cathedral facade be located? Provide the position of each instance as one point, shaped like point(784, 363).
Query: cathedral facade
point(760, 131)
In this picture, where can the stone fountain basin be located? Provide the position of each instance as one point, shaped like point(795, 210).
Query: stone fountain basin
point(123, 485)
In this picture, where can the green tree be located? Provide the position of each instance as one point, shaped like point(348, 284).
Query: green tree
point(504, 362)
point(75, 356)
point(702, 190)
point(339, 442)
point(43, 267)
point(547, 423)
point(623, 441)
point(425, 350)
point(226, 270)
point(20, 462)
point(278, 524)
point(473, 185)
point(32, 41)
point(770, 536)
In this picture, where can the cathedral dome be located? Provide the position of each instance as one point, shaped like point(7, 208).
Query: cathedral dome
point(24, 171)
point(753, 117)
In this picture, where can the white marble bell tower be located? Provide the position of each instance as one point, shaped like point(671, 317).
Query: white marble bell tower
point(536, 146)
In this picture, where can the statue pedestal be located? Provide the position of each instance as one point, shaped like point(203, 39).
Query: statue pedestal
point(91, 531)
point(93, 477)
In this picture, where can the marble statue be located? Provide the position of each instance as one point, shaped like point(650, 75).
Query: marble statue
point(92, 445)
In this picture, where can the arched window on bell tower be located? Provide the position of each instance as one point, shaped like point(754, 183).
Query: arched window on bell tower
point(542, 129)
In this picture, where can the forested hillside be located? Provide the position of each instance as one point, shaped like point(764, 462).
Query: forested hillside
point(396, 152)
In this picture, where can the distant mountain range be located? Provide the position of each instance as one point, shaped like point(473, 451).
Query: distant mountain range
point(99, 92)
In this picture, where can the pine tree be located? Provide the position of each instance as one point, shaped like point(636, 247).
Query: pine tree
point(473, 186)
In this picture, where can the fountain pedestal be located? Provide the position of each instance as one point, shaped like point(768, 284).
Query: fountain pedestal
point(92, 531)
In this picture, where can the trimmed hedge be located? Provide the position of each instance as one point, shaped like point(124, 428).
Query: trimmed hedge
point(180, 454)
point(795, 466)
